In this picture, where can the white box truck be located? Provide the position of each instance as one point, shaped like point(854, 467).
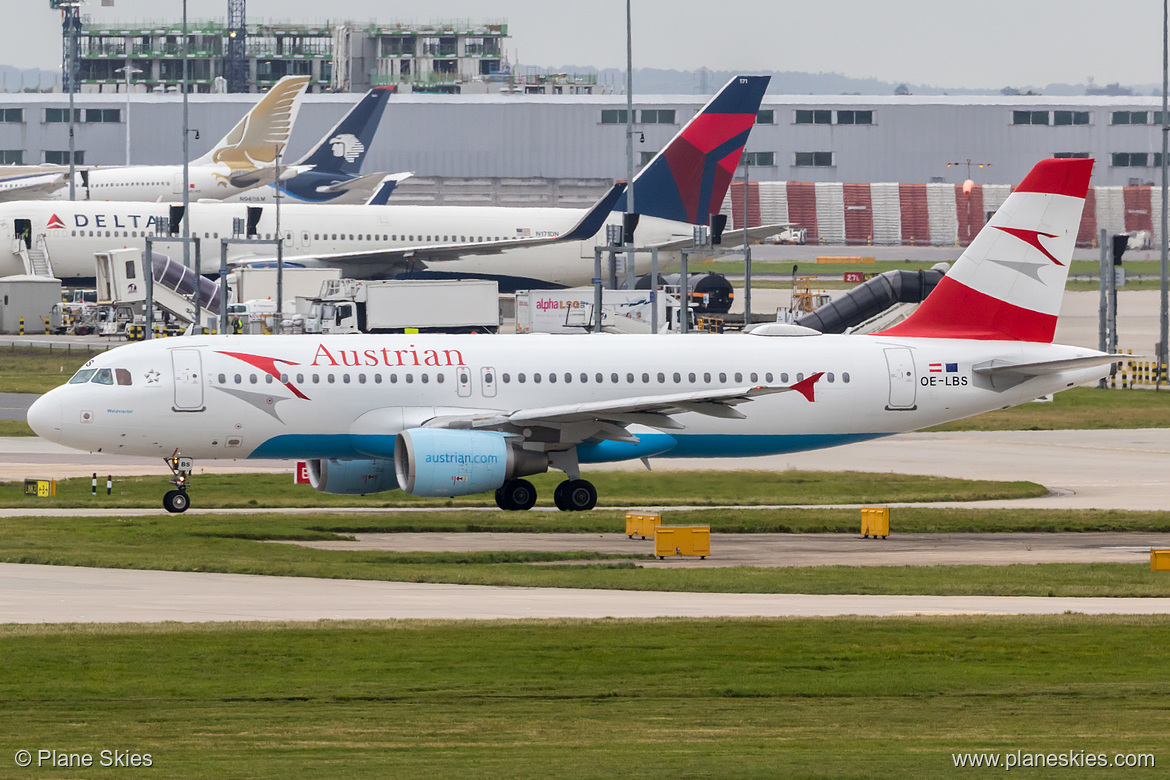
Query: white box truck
point(571, 310)
point(397, 306)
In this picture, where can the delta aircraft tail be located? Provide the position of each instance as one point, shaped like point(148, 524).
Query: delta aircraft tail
point(1009, 282)
point(343, 149)
point(686, 181)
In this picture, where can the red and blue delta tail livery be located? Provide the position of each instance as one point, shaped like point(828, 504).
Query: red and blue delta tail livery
point(687, 180)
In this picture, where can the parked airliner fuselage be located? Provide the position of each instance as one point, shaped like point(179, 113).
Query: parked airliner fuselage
point(147, 183)
point(348, 396)
point(73, 232)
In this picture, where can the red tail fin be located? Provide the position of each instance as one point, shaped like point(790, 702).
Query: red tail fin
point(1009, 283)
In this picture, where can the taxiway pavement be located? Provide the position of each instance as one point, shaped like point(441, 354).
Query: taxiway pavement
point(64, 594)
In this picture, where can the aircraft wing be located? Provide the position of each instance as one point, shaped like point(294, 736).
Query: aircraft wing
point(731, 238)
point(367, 183)
point(607, 419)
point(261, 176)
point(585, 228)
point(32, 187)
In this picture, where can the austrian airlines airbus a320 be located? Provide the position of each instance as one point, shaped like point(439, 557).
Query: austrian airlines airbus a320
point(439, 415)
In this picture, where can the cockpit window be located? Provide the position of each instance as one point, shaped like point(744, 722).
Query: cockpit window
point(123, 376)
point(82, 376)
point(104, 376)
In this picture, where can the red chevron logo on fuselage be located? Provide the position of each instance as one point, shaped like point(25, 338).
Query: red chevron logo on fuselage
point(1031, 238)
point(54, 223)
point(268, 366)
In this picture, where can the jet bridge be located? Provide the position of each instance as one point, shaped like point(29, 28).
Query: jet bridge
point(121, 287)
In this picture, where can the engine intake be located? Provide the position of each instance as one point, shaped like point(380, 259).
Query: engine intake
point(435, 462)
point(352, 477)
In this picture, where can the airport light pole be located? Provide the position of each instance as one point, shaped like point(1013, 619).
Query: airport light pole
point(1163, 356)
point(628, 222)
point(186, 153)
point(128, 69)
point(747, 251)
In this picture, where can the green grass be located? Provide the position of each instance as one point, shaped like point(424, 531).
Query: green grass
point(235, 544)
point(1076, 408)
point(667, 488)
point(834, 698)
point(15, 428)
point(38, 370)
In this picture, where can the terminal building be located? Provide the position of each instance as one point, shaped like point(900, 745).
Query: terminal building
point(544, 149)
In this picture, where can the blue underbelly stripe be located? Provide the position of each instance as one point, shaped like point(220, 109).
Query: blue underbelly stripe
point(650, 445)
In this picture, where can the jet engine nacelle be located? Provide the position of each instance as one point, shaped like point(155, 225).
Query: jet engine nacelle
point(352, 477)
point(435, 462)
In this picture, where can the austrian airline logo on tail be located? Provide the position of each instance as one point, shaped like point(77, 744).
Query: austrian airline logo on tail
point(1031, 238)
point(54, 223)
point(1008, 284)
point(687, 180)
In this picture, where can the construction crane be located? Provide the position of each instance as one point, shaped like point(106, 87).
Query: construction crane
point(235, 61)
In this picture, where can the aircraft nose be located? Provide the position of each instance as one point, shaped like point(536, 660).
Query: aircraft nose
point(45, 416)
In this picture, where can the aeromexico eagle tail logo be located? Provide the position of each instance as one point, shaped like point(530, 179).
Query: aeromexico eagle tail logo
point(346, 145)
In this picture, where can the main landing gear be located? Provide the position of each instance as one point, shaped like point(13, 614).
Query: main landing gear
point(516, 494)
point(177, 500)
point(575, 495)
point(572, 495)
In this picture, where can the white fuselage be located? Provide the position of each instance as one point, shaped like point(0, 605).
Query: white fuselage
point(324, 235)
point(151, 183)
point(347, 396)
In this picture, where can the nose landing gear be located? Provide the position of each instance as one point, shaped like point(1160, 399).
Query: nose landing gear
point(177, 500)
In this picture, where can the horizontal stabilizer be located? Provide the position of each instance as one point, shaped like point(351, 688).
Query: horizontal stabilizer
point(999, 367)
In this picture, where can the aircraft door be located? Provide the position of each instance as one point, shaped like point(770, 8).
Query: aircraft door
point(463, 381)
point(487, 381)
point(306, 239)
point(21, 235)
point(188, 374)
point(903, 382)
point(177, 188)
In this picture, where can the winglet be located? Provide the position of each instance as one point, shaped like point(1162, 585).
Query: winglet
point(805, 386)
point(596, 216)
point(385, 187)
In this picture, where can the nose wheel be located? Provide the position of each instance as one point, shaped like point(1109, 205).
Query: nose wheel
point(177, 500)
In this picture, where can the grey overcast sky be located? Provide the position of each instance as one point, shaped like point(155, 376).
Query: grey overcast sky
point(988, 44)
